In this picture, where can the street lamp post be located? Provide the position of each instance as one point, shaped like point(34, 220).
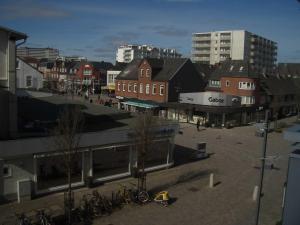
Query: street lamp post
point(262, 169)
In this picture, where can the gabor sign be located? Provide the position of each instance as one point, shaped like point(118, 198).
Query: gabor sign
point(220, 100)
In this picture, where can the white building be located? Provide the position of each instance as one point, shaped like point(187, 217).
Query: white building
point(291, 196)
point(38, 53)
point(217, 46)
point(35, 166)
point(28, 77)
point(126, 53)
point(8, 99)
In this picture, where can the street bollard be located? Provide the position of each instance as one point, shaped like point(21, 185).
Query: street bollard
point(211, 180)
point(255, 193)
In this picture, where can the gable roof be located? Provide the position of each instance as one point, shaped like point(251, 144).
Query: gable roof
point(162, 69)
point(28, 64)
point(204, 70)
point(15, 34)
point(234, 68)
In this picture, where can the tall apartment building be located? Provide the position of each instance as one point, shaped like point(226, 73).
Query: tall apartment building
point(217, 46)
point(38, 53)
point(126, 53)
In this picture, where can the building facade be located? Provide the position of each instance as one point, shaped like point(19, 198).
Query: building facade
point(8, 99)
point(126, 53)
point(215, 47)
point(107, 150)
point(156, 81)
point(38, 53)
point(28, 77)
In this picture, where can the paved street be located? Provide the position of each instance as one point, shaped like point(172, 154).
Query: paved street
point(234, 160)
point(235, 163)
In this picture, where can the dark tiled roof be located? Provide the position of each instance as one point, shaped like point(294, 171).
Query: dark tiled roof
point(169, 68)
point(101, 65)
point(162, 69)
point(234, 68)
point(289, 69)
point(275, 85)
point(119, 66)
point(204, 70)
point(131, 71)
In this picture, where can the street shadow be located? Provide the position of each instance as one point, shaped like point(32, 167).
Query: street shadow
point(183, 178)
point(184, 155)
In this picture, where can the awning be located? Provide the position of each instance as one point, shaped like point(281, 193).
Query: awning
point(140, 104)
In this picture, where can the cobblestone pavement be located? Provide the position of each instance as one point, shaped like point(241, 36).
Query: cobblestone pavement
point(234, 160)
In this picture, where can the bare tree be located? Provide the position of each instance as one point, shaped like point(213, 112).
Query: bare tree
point(144, 135)
point(66, 142)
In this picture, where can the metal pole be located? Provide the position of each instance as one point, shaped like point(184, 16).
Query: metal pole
point(263, 160)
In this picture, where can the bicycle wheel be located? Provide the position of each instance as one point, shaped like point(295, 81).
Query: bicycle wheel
point(143, 196)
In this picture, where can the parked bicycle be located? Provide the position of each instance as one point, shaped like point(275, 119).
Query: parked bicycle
point(43, 218)
point(23, 219)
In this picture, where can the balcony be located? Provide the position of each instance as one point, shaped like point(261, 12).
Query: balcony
point(201, 38)
point(225, 37)
point(225, 44)
point(199, 45)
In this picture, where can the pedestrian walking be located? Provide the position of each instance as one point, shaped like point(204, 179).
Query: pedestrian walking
point(198, 124)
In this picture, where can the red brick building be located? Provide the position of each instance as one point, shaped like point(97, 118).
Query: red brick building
point(157, 81)
point(237, 78)
point(92, 74)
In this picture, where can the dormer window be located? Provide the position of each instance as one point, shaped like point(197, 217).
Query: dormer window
point(142, 72)
point(241, 68)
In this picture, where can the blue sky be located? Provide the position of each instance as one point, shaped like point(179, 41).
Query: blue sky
point(94, 28)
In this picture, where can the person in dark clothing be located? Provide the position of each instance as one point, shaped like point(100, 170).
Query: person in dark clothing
point(198, 125)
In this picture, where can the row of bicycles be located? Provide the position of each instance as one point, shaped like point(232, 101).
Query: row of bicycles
point(41, 218)
point(96, 205)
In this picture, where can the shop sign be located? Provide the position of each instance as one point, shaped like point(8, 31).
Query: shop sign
point(220, 100)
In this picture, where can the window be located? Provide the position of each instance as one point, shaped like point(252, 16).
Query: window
point(215, 83)
point(247, 100)
point(119, 86)
point(241, 68)
point(161, 89)
point(7, 171)
point(124, 86)
point(18, 65)
point(134, 88)
point(87, 72)
point(147, 89)
point(247, 85)
point(147, 73)
point(141, 88)
point(28, 81)
point(227, 83)
point(154, 89)
point(129, 87)
point(142, 72)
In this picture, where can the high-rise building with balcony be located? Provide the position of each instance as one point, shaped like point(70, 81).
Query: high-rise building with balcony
point(217, 46)
point(126, 53)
